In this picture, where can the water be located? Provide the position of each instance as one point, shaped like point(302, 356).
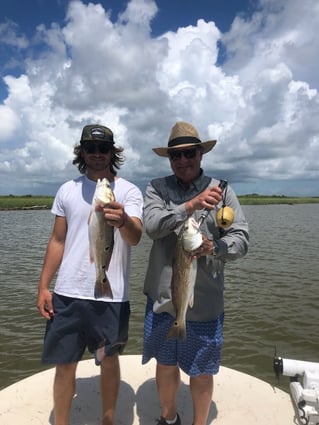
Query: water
point(271, 296)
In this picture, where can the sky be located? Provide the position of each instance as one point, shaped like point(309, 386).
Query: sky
point(242, 72)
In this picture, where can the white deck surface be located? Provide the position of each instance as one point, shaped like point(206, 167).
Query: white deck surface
point(238, 399)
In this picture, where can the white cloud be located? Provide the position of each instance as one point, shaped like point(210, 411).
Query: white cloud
point(261, 103)
point(9, 123)
point(9, 35)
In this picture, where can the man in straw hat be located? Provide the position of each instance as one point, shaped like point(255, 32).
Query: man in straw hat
point(169, 201)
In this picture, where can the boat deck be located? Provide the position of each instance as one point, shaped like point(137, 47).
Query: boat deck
point(238, 398)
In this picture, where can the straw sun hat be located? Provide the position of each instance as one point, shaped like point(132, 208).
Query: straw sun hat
point(184, 135)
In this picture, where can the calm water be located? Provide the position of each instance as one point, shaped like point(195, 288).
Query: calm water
point(272, 295)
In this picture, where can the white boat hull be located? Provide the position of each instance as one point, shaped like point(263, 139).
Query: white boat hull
point(238, 398)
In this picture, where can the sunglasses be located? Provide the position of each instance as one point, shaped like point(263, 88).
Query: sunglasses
point(90, 147)
point(177, 154)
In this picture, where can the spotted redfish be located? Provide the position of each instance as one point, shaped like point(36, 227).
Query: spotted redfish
point(101, 238)
point(184, 276)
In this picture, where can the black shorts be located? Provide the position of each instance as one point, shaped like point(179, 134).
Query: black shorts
point(77, 324)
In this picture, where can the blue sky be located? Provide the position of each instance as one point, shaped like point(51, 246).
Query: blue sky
point(243, 72)
point(28, 15)
point(171, 15)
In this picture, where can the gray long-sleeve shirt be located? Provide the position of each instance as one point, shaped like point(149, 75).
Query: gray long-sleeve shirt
point(164, 213)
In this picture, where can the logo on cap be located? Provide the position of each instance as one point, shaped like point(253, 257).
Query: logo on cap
point(97, 133)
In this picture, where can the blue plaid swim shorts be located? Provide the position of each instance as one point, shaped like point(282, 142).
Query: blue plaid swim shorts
point(198, 354)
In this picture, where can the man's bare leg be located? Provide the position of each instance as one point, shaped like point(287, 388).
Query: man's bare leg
point(202, 391)
point(63, 392)
point(167, 381)
point(110, 384)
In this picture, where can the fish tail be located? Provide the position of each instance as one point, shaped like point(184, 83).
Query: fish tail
point(177, 331)
point(103, 288)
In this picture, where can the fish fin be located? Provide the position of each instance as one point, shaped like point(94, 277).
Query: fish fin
point(103, 289)
point(191, 301)
point(177, 331)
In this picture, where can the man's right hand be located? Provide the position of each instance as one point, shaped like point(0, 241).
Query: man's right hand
point(44, 303)
point(207, 199)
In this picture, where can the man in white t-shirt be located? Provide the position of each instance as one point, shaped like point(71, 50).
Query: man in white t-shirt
point(76, 320)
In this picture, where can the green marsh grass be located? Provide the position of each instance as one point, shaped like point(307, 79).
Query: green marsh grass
point(13, 202)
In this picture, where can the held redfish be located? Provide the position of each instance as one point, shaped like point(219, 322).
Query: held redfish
point(184, 276)
point(101, 238)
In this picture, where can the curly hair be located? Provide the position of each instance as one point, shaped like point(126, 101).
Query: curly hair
point(116, 161)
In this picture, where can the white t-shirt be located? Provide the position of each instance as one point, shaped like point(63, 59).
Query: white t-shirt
point(76, 276)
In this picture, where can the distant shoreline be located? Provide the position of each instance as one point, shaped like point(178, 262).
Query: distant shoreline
point(25, 208)
point(30, 202)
